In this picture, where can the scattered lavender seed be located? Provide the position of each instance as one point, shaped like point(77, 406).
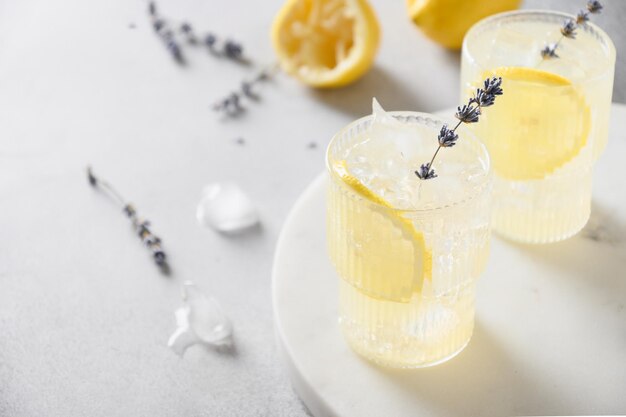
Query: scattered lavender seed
point(152, 8)
point(131, 26)
point(240, 141)
point(312, 145)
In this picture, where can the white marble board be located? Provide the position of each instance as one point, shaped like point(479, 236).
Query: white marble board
point(550, 336)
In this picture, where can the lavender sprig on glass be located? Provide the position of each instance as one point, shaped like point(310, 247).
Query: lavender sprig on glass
point(467, 113)
point(568, 30)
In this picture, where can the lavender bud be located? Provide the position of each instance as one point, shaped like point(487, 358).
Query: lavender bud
point(174, 49)
point(232, 49)
point(569, 29)
point(467, 113)
point(483, 99)
point(129, 210)
point(594, 6)
point(447, 138)
point(246, 88)
point(158, 24)
point(549, 51)
point(92, 178)
point(233, 101)
point(159, 257)
point(492, 86)
point(152, 8)
point(582, 17)
point(263, 76)
point(209, 40)
point(185, 27)
point(425, 173)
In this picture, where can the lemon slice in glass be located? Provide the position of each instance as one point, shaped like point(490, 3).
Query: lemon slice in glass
point(538, 125)
point(326, 43)
point(391, 259)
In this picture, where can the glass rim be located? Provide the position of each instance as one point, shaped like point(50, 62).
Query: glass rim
point(481, 152)
point(611, 53)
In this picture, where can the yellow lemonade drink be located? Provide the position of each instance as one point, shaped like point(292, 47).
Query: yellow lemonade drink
point(548, 129)
point(407, 252)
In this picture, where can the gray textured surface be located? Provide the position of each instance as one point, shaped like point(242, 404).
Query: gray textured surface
point(85, 316)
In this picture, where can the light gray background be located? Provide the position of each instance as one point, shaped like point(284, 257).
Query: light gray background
point(84, 314)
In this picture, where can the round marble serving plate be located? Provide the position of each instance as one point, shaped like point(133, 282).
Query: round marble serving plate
point(550, 335)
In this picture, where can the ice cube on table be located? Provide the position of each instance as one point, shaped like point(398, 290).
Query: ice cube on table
point(226, 208)
point(199, 321)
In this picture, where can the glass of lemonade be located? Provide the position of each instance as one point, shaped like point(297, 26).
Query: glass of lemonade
point(548, 129)
point(407, 252)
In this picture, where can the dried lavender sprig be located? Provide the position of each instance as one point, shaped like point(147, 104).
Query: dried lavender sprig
point(141, 226)
point(227, 48)
point(166, 35)
point(568, 29)
point(172, 39)
point(231, 105)
point(467, 113)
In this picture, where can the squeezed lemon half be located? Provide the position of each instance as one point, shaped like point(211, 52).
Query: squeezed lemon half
point(392, 255)
point(326, 43)
point(538, 125)
point(447, 21)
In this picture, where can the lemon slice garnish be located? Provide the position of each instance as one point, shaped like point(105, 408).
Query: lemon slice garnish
point(447, 21)
point(326, 43)
point(392, 259)
point(538, 125)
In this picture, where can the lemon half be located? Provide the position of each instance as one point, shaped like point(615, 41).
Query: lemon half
point(393, 259)
point(326, 43)
point(447, 21)
point(538, 125)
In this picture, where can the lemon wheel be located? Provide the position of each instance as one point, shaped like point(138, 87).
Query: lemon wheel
point(387, 257)
point(326, 43)
point(538, 125)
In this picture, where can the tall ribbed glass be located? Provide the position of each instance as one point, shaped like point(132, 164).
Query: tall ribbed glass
point(545, 133)
point(407, 276)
